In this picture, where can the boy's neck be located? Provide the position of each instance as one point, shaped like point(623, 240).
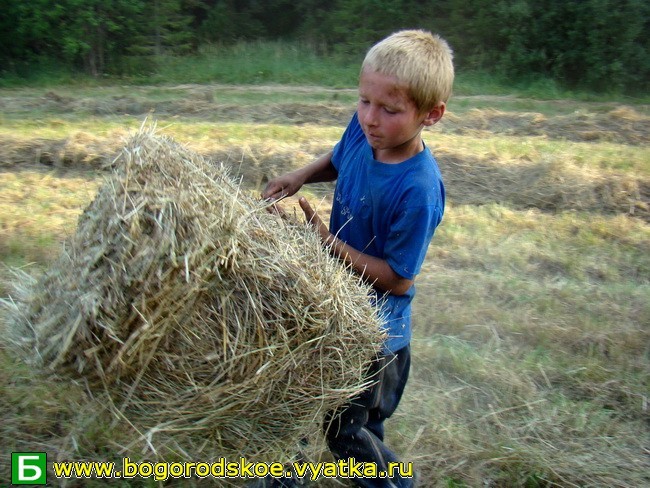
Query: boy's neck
point(401, 153)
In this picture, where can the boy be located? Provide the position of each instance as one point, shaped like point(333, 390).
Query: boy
point(388, 201)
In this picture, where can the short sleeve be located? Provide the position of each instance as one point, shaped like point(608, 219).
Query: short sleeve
point(352, 133)
point(409, 238)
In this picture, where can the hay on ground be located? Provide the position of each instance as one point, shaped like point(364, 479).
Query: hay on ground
point(208, 325)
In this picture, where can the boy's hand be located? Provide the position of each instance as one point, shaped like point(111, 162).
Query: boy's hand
point(282, 186)
point(314, 220)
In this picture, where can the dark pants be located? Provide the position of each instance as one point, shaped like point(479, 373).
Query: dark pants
point(357, 429)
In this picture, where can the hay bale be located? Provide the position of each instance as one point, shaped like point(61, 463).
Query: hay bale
point(211, 326)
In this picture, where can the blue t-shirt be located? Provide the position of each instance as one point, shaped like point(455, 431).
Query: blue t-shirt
point(389, 211)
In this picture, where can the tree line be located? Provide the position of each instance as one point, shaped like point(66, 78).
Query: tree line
point(589, 44)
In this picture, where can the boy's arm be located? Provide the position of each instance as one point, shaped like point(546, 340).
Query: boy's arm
point(375, 270)
point(320, 170)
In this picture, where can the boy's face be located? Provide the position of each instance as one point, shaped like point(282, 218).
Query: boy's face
point(389, 118)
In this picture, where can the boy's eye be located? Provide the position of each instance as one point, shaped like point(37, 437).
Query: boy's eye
point(390, 111)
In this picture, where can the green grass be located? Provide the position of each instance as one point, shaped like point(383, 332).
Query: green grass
point(257, 63)
point(280, 62)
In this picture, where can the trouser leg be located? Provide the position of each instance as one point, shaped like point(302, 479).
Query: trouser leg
point(357, 430)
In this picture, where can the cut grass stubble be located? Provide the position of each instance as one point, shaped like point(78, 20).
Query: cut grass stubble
point(530, 337)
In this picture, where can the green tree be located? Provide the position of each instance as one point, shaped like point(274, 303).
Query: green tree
point(229, 21)
point(165, 28)
point(232, 20)
point(12, 38)
point(352, 26)
point(594, 44)
point(316, 23)
point(84, 33)
point(98, 29)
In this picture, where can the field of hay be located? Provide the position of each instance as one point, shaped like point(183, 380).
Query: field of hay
point(531, 342)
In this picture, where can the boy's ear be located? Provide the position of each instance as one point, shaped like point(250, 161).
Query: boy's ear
point(434, 115)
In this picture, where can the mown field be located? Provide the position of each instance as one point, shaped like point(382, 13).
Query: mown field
point(532, 320)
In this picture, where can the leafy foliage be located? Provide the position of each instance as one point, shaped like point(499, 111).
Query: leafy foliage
point(588, 44)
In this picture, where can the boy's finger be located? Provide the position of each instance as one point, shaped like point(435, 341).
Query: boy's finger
point(273, 191)
point(271, 194)
point(275, 197)
point(278, 210)
point(304, 204)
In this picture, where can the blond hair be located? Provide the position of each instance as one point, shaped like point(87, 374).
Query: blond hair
point(419, 59)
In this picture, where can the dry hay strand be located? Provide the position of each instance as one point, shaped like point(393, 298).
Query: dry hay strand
point(79, 150)
point(548, 184)
point(212, 326)
point(623, 125)
point(295, 113)
point(477, 121)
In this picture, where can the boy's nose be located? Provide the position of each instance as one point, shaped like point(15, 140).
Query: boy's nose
point(370, 116)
